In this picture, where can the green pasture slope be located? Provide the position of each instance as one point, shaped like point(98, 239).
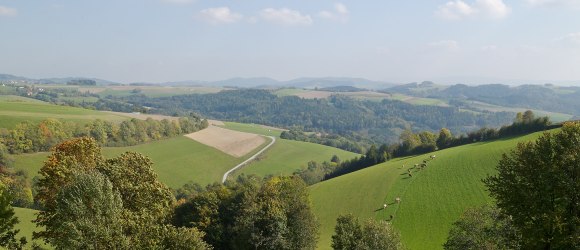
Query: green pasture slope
point(26, 226)
point(176, 161)
point(16, 109)
point(431, 200)
point(285, 156)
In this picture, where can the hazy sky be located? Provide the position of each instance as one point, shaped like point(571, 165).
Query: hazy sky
point(399, 41)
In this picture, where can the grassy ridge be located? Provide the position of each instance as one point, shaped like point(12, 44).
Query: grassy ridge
point(16, 109)
point(431, 200)
point(176, 161)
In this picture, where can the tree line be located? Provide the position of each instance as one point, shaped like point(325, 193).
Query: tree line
point(29, 137)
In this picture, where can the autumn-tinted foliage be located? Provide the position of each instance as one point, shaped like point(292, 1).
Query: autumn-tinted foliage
point(76, 177)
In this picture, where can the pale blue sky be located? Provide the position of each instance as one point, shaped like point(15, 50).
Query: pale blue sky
point(397, 41)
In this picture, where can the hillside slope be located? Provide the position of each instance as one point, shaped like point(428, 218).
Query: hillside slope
point(432, 199)
point(16, 109)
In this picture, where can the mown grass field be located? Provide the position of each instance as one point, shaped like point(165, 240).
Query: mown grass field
point(176, 161)
point(16, 109)
point(431, 200)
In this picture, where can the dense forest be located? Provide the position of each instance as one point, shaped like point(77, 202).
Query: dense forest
point(381, 121)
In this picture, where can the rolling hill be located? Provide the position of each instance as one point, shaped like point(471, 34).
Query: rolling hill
point(432, 199)
point(16, 109)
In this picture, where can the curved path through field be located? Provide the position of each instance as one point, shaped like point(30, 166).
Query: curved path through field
point(249, 159)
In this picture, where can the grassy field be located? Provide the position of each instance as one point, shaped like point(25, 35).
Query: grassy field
point(252, 128)
point(287, 156)
point(16, 109)
point(25, 225)
point(150, 91)
point(176, 161)
point(431, 200)
point(289, 92)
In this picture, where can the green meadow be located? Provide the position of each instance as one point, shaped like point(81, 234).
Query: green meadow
point(16, 109)
point(26, 226)
point(285, 156)
point(431, 200)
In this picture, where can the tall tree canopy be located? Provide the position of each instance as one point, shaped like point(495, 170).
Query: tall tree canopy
point(538, 184)
point(350, 234)
point(83, 194)
point(253, 214)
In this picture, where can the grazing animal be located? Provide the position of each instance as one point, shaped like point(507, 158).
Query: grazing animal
point(385, 206)
point(398, 200)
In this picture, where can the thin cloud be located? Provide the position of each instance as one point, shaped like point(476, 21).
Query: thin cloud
point(445, 44)
point(285, 16)
point(178, 1)
point(573, 38)
point(340, 13)
point(458, 10)
point(553, 3)
point(6, 11)
point(489, 48)
point(220, 15)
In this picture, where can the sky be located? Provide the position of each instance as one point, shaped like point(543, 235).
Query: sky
point(394, 41)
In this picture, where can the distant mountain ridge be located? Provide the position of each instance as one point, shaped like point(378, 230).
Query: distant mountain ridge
point(239, 82)
point(53, 80)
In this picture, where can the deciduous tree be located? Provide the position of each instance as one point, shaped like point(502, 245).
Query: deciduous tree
point(538, 184)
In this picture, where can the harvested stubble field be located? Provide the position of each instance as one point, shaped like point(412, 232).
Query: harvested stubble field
point(231, 142)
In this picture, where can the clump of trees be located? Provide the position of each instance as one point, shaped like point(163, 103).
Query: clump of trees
point(89, 202)
point(538, 185)
point(537, 193)
point(252, 213)
point(350, 233)
point(485, 228)
point(28, 137)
